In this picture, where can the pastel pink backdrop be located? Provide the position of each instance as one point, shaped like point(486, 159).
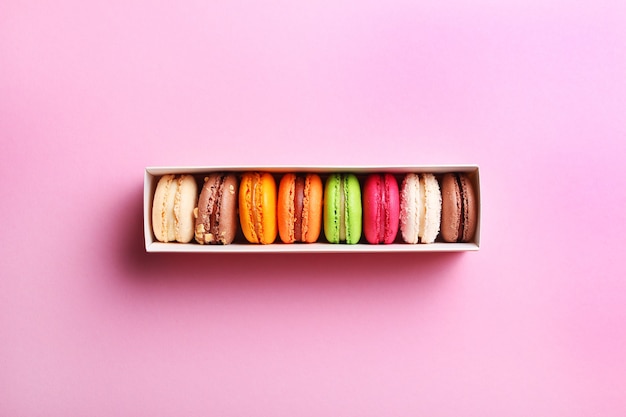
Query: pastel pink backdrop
point(532, 324)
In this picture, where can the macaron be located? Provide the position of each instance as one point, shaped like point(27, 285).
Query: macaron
point(420, 208)
point(257, 207)
point(300, 207)
point(342, 209)
point(216, 214)
point(381, 208)
point(458, 213)
point(174, 201)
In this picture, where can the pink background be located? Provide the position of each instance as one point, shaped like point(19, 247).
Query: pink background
point(534, 323)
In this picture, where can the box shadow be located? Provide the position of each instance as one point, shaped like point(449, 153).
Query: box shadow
point(178, 270)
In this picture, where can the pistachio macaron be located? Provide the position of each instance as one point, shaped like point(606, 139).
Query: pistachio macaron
point(343, 212)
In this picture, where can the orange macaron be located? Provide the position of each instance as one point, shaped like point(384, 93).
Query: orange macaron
point(257, 207)
point(300, 208)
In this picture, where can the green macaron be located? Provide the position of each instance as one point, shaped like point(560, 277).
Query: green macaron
point(342, 209)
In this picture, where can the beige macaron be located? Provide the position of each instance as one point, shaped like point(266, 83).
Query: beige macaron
point(175, 199)
point(420, 208)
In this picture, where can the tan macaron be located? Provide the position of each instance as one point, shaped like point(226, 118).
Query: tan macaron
point(174, 202)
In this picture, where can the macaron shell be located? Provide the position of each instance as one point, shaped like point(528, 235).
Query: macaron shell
point(372, 209)
point(246, 219)
point(431, 221)
point(451, 208)
point(458, 212)
point(411, 207)
point(470, 214)
point(353, 209)
point(312, 210)
point(267, 204)
point(331, 208)
point(207, 206)
point(160, 209)
point(257, 207)
point(381, 208)
point(173, 206)
point(286, 211)
point(229, 221)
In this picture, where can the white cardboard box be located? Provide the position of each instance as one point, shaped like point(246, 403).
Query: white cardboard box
point(240, 245)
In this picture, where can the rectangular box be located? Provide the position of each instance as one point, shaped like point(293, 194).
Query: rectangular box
point(152, 175)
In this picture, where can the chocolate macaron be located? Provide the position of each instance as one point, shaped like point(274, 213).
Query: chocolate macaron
point(458, 212)
point(216, 214)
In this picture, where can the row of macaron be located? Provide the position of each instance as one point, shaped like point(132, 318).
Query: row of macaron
point(381, 207)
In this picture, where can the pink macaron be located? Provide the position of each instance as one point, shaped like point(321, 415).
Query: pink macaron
point(381, 208)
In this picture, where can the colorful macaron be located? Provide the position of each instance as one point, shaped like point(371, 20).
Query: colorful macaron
point(458, 213)
point(381, 208)
point(342, 209)
point(420, 208)
point(173, 205)
point(257, 207)
point(216, 214)
point(300, 208)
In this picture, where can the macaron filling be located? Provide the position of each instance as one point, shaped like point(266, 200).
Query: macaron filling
point(299, 196)
point(171, 218)
point(423, 208)
point(306, 210)
point(385, 218)
point(343, 209)
point(378, 211)
point(177, 215)
point(212, 220)
point(466, 228)
point(216, 212)
point(463, 208)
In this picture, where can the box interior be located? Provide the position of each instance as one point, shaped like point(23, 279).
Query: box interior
point(152, 175)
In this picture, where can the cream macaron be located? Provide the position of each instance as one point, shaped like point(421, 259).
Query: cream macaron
point(420, 208)
point(175, 199)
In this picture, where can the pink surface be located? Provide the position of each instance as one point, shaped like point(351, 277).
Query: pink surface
point(532, 324)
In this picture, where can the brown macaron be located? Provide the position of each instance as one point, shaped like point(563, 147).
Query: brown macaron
point(458, 211)
point(216, 214)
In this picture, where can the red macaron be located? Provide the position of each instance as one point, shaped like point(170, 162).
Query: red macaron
point(381, 208)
